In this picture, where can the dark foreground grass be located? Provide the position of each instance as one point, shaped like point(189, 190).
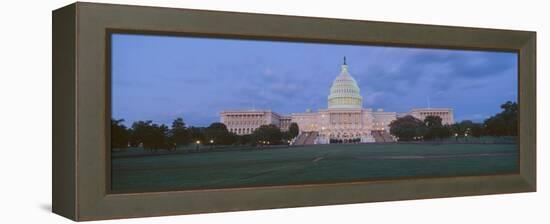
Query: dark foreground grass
point(310, 164)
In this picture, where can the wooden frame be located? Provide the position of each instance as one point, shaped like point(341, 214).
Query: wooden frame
point(81, 109)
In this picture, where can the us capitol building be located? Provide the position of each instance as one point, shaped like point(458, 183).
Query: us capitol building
point(345, 120)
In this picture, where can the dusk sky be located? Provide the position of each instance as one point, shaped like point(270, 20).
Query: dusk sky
point(160, 78)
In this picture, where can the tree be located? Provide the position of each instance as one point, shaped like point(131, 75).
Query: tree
point(267, 134)
point(179, 133)
point(196, 134)
point(151, 136)
point(158, 138)
point(477, 130)
point(243, 139)
point(140, 131)
point(434, 127)
point(433, 121)
point(293, 130)
point(445, 132)
point(286, 136)
point(218, 133)
point(467, 128)
point(457, 129)
point(407, 128)
point(504, 123)
point(120, 135)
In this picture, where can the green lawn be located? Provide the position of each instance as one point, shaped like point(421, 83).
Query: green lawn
point(309, 164)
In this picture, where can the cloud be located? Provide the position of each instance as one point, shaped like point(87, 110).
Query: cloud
point(159, 78)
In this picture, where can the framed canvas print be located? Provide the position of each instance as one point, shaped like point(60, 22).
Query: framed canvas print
point(160, 111)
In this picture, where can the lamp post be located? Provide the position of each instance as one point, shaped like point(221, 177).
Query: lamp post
point(211, 143)
point(198, 143)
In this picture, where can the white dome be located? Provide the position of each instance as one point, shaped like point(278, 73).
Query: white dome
point(345, 92)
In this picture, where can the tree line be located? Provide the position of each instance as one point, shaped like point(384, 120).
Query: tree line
point(154, 137)
point(409, 128)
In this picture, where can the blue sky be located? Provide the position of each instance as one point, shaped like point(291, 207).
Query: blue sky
point(161, 78)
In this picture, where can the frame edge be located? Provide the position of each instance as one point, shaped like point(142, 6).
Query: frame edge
point(64, 190)
point(528, 110)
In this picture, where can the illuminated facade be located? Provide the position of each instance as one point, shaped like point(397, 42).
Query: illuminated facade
point(345, 119)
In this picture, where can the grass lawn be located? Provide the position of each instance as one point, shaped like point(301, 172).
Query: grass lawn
point(309, 164)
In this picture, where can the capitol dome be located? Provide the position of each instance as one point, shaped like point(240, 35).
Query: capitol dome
point(344, 92)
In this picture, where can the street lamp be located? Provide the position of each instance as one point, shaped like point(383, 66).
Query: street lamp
point(211, 143)
point(198, 143)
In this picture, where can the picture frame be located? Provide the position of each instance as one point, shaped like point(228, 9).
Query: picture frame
point(81, 109)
